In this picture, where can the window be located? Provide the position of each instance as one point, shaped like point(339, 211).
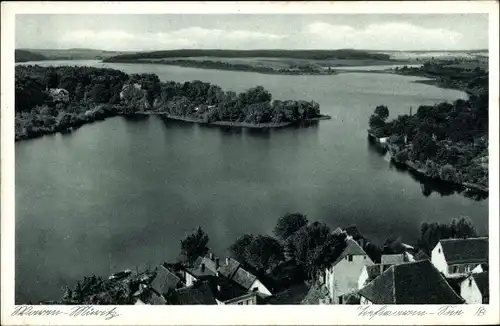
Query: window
point(349, 257)
point(470, 282)
point(439, 250)
point(455, 269)
point(240, 303)
point(364, 257)
point(341, 300)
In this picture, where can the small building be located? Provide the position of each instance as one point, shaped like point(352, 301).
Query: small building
point(475, 288)
point(410, 283)
point(343, 274)
point(457, 257)
point(393, 259)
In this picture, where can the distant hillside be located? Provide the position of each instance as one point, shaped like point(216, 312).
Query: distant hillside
point(294, 54)
point(23, 56)
point(74, 54)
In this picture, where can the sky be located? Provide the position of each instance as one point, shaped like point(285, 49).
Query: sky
point(146, 32)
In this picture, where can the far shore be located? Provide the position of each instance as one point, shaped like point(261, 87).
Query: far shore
point(234, 123)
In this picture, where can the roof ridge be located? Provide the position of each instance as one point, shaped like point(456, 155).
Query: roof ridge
point(458, 239)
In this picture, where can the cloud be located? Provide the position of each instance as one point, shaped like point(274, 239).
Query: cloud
point(192, 37)
point(391, 35)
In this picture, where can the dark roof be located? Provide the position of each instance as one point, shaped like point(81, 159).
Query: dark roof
point(164, 280)
point(194, 295)
point(483, 283)
point(352, 248)
point(471, 250)
point(244, 278)
point(157, 300)
point(455, 283)
point(226, 289)
point(228, 267)
point(411, 283)
point(420, 255)
point(198, 271)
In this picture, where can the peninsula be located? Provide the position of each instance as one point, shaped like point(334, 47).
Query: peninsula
point(59, 99)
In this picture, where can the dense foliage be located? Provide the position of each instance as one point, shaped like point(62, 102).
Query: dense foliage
point(194, 245)
point(97, 93)
point(431, 233)
point(296, 54)
point(288, 224)
point(447, 141)
point(24, 55)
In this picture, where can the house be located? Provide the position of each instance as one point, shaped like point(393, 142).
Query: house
point(165, 281)
point(208, 266)
point(343, 274)
point(214, 290)
point(58, 95)
point(475, 288)
point(456, 257)
point(410, 283)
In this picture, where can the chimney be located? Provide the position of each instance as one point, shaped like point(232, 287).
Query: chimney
point(202, 267)
point(211, 255)
point(227, 260)
point(217, 263)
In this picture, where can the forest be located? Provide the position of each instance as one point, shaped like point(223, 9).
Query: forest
point(295, 54)
point(446, 141)
point(58, 99)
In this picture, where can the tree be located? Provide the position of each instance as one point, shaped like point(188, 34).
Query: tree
point(195, 245)
point(238, 249)
point(463, 228)
point(264, 253)
point(382, 111)
point(288, 224)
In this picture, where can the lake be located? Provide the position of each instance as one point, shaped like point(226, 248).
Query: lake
point(122, 193)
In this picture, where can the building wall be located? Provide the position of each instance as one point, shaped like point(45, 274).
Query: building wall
point(189, 279)
point(363, 277)
point(261, 289)
point(345, 275)
point(438, 260)
point(470, 292)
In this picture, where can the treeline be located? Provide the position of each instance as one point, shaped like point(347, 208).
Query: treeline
point(42, 107)
point(449, 73)
point(294, 54)
point(447, 141)
point(210, 64)
point(24, 56)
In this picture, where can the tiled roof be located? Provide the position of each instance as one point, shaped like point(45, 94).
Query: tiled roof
point(483, 282)
point(194, 295)
point(157, 300)
point(228, 267)
point(197, 269)
point(411, 283)
point(459, 251)
point(392, 259)
point(244, 278)
point(164, 280)
point(352, 248)
point(225, 289)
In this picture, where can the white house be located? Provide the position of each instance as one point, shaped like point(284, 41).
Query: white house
point(343, 275)
point(457, 257)
point(59, 95)
point(474, 289)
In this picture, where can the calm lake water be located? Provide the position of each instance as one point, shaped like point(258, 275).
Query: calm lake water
point(122, 193)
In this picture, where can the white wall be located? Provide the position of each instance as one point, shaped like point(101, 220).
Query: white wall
point(363, 277)
point(478, 269)
point(438, 260)
point(261, 289)
point(345, 276)
point(189, 279)
point(470, 292)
